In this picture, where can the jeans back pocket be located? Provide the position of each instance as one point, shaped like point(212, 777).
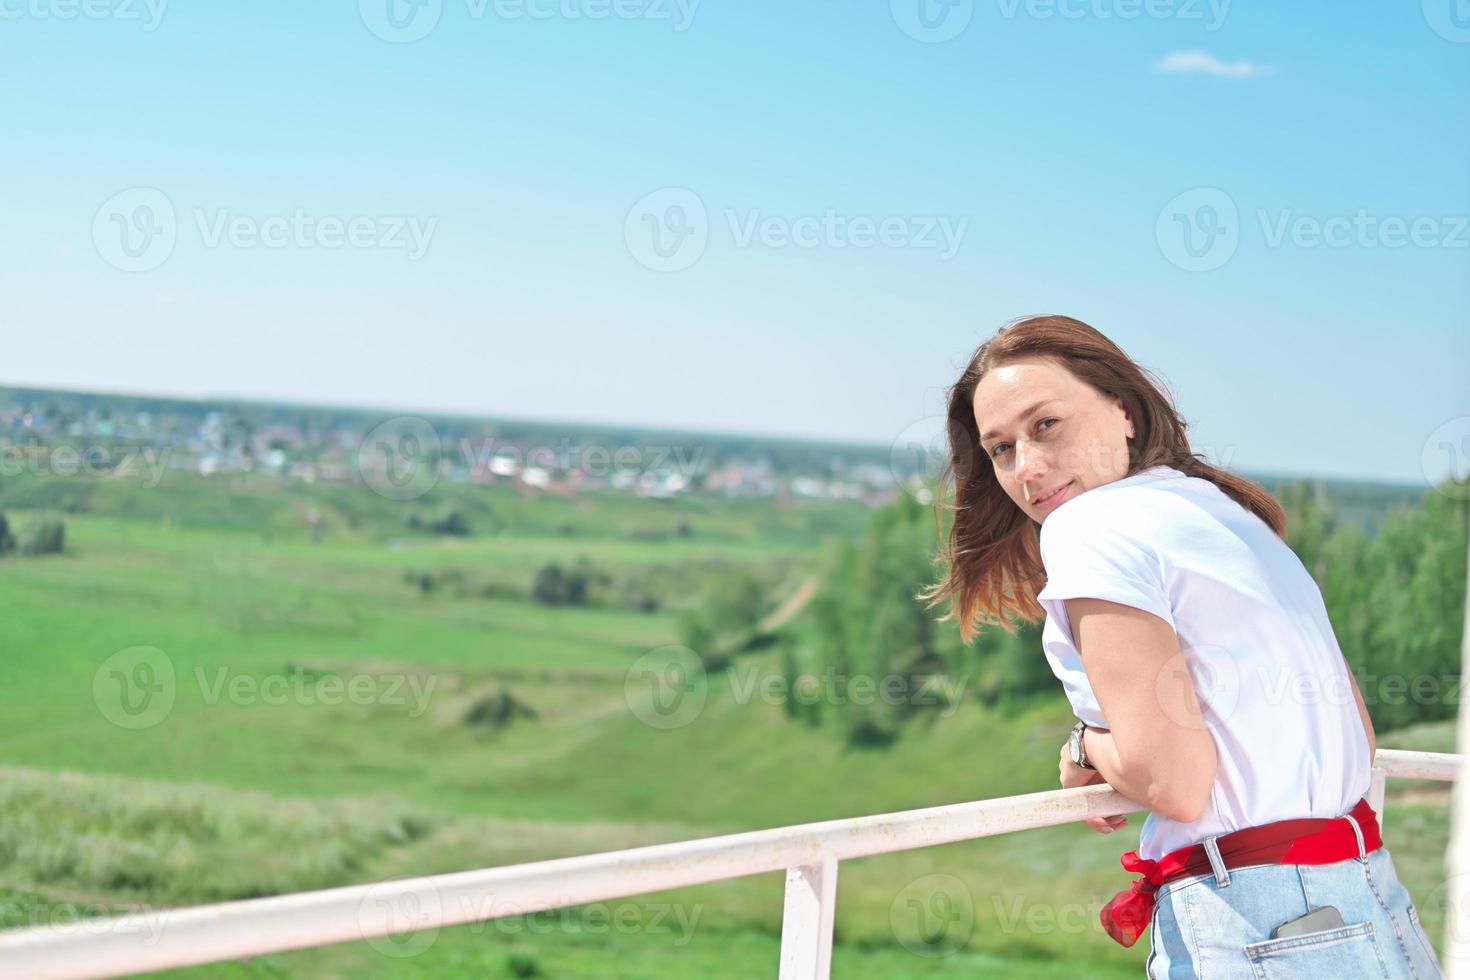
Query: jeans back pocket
point(1347, 951)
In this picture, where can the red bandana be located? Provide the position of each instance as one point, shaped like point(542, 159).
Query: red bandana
point(1308, 841)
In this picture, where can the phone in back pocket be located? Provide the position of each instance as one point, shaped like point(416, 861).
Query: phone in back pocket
point(1317, 920)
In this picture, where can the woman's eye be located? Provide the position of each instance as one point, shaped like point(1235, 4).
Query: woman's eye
point(1000, 446)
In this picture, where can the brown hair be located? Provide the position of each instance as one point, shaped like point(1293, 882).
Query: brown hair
point(993, 550)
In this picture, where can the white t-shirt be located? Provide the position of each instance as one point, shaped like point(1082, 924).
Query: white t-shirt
point(1273, 686)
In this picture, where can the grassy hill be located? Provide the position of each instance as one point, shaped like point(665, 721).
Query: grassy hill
point(265, 775)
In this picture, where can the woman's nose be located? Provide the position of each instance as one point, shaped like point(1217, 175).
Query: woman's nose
point(1029, 464)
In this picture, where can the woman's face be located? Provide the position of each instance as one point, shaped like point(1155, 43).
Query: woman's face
point(1049, 435)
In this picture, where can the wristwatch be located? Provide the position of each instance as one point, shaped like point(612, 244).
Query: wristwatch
point(1074, 742)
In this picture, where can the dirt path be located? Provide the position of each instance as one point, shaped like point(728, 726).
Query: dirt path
point(790, 606)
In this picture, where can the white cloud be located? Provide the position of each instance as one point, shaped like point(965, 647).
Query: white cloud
point(1199, 62)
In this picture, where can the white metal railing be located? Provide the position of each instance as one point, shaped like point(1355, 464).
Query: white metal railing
point(809, 854)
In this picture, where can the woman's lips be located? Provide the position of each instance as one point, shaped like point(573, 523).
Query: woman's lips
point(1054, 498)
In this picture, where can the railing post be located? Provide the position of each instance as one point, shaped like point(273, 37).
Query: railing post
point(1376, 788)
point(806, 921)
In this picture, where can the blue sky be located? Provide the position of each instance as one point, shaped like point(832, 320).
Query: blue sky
point(866, 199)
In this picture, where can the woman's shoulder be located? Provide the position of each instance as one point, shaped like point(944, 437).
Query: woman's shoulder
point(1117, 507)
point(1151, 519)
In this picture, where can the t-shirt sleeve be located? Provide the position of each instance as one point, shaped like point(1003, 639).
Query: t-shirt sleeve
point(1101, 553)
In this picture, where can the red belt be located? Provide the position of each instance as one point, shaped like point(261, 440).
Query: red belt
point(1307, 841)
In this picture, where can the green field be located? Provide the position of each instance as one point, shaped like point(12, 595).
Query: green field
point(259, 779)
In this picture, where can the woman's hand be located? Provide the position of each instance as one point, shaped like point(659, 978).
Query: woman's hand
point(1074, 775)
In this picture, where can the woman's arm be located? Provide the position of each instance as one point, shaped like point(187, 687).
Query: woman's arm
point(1367, 722)
point(1158, 751)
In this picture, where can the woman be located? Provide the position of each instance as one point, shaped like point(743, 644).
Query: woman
point(1197, 654)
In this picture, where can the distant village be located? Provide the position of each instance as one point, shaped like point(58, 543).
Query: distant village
point(81, 434)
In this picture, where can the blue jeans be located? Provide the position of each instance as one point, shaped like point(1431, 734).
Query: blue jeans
point(1217, 925)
